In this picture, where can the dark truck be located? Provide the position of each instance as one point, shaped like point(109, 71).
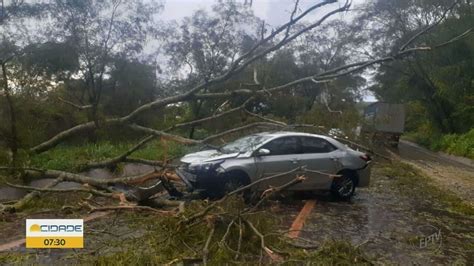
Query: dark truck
point(384, 122)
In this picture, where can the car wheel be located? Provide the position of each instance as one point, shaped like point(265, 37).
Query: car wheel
point(344, 187)
point(234, 182)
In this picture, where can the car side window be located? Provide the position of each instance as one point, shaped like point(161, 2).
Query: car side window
point(316, 145)
point(282, 146)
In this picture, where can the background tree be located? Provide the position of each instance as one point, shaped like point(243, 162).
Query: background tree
point(439, 84)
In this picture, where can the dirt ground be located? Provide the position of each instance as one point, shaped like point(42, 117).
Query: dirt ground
point(400, 219)
point(455, 175)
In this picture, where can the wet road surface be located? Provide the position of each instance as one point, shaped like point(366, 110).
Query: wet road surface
point(453, 174)
point(389, 227)
point(413, 152)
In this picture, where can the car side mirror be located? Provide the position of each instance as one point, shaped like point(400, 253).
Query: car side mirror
point(262, 152)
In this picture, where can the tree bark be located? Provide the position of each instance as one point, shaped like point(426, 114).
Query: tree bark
point(13, 142)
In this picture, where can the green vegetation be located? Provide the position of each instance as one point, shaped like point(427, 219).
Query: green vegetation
point(71, 157)
point(14, 258)
point(455, 144)
point(53, 202)
point(334, 252)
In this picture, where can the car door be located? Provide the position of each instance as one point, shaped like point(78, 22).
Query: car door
point(282, 158)
point(320, 159)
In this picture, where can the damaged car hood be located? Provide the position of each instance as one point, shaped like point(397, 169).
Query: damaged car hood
point(207, 156)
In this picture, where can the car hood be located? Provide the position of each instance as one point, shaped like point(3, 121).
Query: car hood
point(207, 156)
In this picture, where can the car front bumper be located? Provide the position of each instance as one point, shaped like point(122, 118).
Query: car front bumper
point(188, 178)
point(208, 180)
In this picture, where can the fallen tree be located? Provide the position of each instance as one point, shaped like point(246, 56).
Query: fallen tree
point(266, 45)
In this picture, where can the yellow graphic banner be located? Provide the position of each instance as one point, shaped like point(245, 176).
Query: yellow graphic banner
point(54, 242)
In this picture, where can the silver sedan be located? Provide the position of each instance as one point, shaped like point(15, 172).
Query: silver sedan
point(326, 163)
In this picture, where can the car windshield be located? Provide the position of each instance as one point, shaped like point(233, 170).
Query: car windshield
point(244, 144)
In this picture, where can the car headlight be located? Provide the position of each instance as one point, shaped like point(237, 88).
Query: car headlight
point(205, 167)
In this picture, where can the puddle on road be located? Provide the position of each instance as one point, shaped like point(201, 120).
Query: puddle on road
point(130, 169)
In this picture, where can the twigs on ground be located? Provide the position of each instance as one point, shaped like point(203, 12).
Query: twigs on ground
point(127, 207)
point(30, 196)
point(147, 162)
point(59, 190)
point(205, 250)
point(263, 247)
point(95, 182)
point(239, 243)
point(273, 190)
point(226, 234)
point(95, 186)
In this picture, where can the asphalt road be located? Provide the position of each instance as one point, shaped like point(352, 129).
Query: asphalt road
point(451, 173)
point(413, 152)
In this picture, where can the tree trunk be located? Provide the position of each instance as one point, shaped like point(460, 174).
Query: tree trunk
point(196, 106)
point(13, 143)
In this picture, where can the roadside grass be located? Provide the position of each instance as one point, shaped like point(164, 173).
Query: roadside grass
point(71, 157)
point(413, 183)
point(455, 144)
point(334, 252)
point(54, 202)
point(14, 258)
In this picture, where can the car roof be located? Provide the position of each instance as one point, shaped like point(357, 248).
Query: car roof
point(289, 133)
point(276, 134)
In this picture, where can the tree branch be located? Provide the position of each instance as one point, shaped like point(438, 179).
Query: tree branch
point(416, 36)
point(45, 189)
point(249, 57)
point(80, 107)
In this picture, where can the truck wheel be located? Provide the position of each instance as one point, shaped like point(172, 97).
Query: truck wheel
point(344, 187)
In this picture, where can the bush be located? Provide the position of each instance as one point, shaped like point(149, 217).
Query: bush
point(424, 135)
point(456, 144)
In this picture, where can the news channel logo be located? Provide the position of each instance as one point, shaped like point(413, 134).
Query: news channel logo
point(429, 237)
point(54, 233)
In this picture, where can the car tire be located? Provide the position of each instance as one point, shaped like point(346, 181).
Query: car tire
point(343, 188)
point(234, 181)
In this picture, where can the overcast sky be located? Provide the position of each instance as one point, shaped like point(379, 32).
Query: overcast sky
point(274, 12)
